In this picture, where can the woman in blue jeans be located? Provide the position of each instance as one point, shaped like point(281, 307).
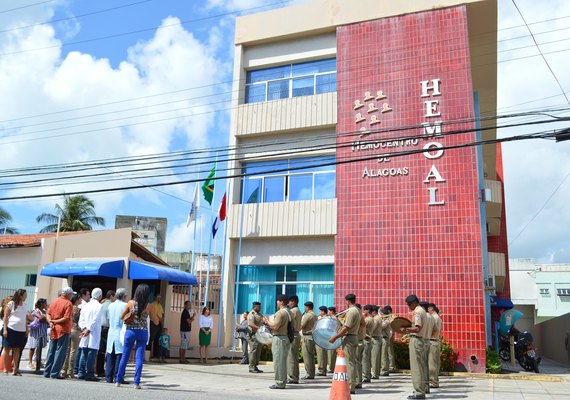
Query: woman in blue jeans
point(136, 334)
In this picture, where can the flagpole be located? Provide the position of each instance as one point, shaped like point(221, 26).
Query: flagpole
point(210, 242)
point(223, 272)
point(238, 259)
point(196, 199)
point(201, 265)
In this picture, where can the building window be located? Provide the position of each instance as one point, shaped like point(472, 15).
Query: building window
point(289, 180)
point(31, 279)
point(264, 283)
point(291, 80)
point(544, 291)
point(563, 292)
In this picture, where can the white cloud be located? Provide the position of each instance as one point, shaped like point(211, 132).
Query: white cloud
point(534, 169)
point(43, 82)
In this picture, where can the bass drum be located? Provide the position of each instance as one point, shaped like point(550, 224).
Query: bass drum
point(324, 330)
point(264, 335)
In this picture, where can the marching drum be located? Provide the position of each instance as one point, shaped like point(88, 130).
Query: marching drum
point(324, 330)
point(264, 335)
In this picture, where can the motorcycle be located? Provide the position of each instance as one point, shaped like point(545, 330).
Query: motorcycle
point(525, 352)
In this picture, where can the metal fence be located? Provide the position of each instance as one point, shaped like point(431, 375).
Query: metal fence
point(181, 293)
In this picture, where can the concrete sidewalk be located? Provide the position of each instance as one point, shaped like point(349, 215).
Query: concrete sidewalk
point(233, 381)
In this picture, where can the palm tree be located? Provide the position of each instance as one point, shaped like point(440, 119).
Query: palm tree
point(6, 218)
point(77, 214)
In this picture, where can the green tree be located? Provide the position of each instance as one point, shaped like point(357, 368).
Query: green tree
point(5, 219)
point(77, 214)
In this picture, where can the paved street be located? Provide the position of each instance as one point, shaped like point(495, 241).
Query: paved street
point(231, 381)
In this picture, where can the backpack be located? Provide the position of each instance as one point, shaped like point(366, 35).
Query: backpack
point(290, 331)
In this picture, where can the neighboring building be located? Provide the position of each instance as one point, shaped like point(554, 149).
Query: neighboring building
point(151, 231)
point(320, 105)
point(542, 293)
point(108, 259)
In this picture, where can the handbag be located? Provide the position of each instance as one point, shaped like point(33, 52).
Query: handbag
point(129, 318)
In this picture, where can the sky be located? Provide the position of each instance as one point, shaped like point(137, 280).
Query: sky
point(84, 81)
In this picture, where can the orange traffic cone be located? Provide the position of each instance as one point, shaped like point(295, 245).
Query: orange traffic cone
point(8, 367)
point(340, 389)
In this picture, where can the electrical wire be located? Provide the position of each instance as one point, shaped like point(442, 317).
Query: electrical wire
point(26, 6)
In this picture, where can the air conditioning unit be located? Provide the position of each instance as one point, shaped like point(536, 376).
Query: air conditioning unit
point(490, 283)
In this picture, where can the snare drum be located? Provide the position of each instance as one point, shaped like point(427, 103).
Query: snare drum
point(324, 329)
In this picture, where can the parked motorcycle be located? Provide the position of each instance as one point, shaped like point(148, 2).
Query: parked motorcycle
point(525, 352)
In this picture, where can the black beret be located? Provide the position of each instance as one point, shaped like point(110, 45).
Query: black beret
point(323, 308)
point(309, 304)
point(282, 297)
point(411, 298)
point(294, 298)
point(333, 309)
point(256, 303)
point(389, 308)
point(350, 297)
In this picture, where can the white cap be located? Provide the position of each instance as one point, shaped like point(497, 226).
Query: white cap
point(67, 290)
point(96, 293)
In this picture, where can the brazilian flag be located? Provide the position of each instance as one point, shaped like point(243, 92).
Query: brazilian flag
point(208, 185)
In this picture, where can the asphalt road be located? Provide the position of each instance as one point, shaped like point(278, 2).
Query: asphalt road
point(231, 381)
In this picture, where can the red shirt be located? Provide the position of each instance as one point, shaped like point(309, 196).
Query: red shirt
point(60, 308)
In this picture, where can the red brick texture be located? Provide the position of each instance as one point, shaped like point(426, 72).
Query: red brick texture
point(390, 242)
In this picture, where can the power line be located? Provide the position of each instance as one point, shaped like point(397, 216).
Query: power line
point(540, 209)
point(26, 6)
point(116, 35)
point(178, 117)
point(76, 16)
point(194, 154)
point(541, 54)
point(537, 135)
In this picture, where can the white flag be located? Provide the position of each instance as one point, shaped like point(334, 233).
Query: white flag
point(194, 207)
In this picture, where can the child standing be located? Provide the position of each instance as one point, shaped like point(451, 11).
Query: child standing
point(164, 341)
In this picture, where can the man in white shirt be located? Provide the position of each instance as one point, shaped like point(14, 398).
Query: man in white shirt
point(90, 325)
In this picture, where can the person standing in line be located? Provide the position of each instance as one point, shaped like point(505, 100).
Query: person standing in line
point(105, 303)
point(38, 331)
point(186, 319)
point(427, 332)
point(135, 316)
point(242, 331)
point(331, 354)
point(254, 322)
point(68, 369)
point(435, 347)
point(322, 354)
point(385, 333)
point(367, 355)
point(90, 325)
point(308, 323)
point(293, 357)
point(349, 335)
point(16, 331)
point(114, 348)
point(360, 351)
point(417, 346)
point(376, 343)
point(60, 319)
point(280, 345)
point(156, 329)
point(392, 337)
point(206, 324)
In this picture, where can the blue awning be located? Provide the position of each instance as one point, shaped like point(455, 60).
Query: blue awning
point(501, 303)
point(109, 268)
point(145, 270)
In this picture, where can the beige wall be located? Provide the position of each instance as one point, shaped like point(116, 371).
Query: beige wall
point(283, 219)
point(20, 257)
point(286, 251)
point(287, 114)
point(321, 16)
point(306, 48)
